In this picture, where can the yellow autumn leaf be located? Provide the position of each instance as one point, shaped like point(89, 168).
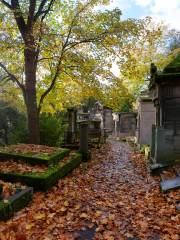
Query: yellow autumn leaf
point(104, 221)
point(66, 203)
point(29, 226)
point(63, 209)
point(40, 216)
point(83, 215)
point(111, 217)
point(98, 213)
point(78, 206)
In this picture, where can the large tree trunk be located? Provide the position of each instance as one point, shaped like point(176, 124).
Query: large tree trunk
point(30, 97)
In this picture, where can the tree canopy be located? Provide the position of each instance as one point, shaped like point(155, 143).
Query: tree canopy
point(71, 46)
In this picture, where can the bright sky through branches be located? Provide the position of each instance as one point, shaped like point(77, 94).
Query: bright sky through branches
point(160, 10)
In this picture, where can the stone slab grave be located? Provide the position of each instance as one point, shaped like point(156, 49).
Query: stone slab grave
point(26, 153)
point(173, 179)
point(145, 119)
point(165, 87)
point(70, 138)
point(124, 124)
point(19, 199)
point(39, 176)
point(107, 120)
point(170, 184)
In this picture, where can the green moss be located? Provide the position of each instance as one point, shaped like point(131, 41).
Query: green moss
point(43, 181)
point(86, 156)
point(174, 66)
point(37, 158)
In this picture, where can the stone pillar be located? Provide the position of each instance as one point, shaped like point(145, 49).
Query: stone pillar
point(84, 139)
point(72, 125)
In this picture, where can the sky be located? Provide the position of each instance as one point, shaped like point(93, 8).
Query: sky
point(167, 11)
point(160, 10)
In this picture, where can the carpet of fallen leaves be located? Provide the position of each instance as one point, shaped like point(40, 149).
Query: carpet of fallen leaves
point(22, 167)
point(29, 148)
point(110, 197)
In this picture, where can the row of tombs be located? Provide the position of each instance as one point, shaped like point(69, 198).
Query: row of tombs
point(156, 123)
point(158, 117)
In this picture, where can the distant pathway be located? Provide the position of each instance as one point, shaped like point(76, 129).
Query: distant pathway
point(110, 197)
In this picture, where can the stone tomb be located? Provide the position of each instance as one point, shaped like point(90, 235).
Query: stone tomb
point(126, 126)
point(107, 119)
point(145, 119)
point(70, 135)
point(165, 86)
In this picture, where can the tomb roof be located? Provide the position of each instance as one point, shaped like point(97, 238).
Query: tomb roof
point(174, 66)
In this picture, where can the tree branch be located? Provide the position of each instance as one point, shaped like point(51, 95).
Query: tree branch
point(51, 85)
point(12, 77)
point(32, 7)
point(53, 82)
point(19, 17)
point(6, 4)
point(42, 11)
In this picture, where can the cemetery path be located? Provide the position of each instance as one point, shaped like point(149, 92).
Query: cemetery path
point(110, 197)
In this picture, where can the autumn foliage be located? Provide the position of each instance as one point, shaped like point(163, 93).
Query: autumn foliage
point(111, 197)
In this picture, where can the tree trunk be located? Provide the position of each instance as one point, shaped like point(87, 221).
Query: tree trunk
point(30, 56)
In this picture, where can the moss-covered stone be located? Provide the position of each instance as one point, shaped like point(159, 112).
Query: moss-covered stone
point(36, 158)
point(15, 203)
point(174, 66)
point(86, 156)
point(43, 181)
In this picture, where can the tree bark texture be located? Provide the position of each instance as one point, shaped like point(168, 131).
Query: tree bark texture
point(30, 56)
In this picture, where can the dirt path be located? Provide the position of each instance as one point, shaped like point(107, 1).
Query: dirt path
point(111, 197)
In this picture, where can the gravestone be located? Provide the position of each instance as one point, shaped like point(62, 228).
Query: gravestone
point(165, 86)
point(115, 125)
point(107, 119)
point(126, 126)
point(84, 134)
point(145, 119)
point(72, 126)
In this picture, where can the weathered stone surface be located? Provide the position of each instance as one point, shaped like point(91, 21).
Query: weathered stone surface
point(124, 124)
point(15, 203)
point(165, 147)
point(146, 118)
point(170, 184)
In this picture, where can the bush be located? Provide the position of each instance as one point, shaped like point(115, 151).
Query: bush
point(12, 125)
point(52, 129)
